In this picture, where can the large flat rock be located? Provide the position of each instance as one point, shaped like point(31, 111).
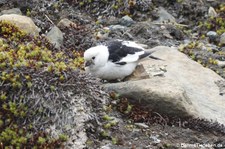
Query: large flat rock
point(185, 88)
point(196, 80)
point(158, 94)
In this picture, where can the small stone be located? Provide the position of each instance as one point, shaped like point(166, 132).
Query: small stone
point(103, 34)
point(155, 139)
point(3, 2)
point(213, 36)
point(222, 39)
point(12, 11)
point(164, 16)
point(55, 36)
point(126, 21)
point(212, 12)
point(141, 125)
point(117, 28)
point(65, 23)
point(221, 64)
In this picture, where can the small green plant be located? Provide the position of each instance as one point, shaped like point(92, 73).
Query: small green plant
point(29, 65)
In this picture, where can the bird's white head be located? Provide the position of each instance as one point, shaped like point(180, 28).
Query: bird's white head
point(96, 57)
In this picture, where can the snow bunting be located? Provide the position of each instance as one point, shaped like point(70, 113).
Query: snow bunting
point(114, 60)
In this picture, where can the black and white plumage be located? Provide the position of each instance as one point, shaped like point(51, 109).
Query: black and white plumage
point(114, 60)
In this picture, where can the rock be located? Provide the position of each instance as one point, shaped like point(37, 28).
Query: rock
point(221, 64)
point(155, 139)
point(12, 11)
point(126, 21)
point(117, 28)
point(23, 22)
point(3, 2)
point(65, 23)
point(111, 20)
point(160, 94)
point(186, 89)
point(164, 16)
point(103, 33)
point(197, 81)
point(222, 39)
point(142, 125)
point(212, 12)
point(55, 36)
point(212, 36)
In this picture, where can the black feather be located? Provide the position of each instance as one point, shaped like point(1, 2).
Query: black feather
point(117, 51)
point(121, 63)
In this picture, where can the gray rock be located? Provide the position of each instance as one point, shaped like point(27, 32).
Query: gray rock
point(164, 16)
point(222, 39)
point(155, 139)
point(117, 28)
point(126, 21)
point(197, 81)
point(12, 11)
point(65, 23)
point(211, 34)
point(103, 33)
point(186, 89)
point(221, 64)
point(212, 12)
point(55, 36)
point(23, 22)
point(142, 125)
point(3, 1)
point(160, 94)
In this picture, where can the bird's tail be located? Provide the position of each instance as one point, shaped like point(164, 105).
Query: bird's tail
point(153, 57)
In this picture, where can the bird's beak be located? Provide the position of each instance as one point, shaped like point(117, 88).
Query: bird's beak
point(88, 63)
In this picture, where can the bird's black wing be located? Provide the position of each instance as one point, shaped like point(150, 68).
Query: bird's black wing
point(119, 51)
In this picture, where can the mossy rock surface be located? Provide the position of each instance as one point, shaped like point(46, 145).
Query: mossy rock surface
point(38, 89)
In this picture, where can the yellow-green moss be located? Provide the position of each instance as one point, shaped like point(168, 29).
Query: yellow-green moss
point(21, 56)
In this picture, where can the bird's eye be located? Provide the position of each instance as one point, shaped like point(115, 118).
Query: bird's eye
point(93, 57)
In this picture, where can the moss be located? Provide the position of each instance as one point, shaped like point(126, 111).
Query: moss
point(216, 24)
point(28, 64)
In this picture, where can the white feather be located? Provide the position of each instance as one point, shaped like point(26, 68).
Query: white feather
point(108, 70)
point(132, 57)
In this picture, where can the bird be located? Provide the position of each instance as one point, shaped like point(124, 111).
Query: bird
point(115, 59)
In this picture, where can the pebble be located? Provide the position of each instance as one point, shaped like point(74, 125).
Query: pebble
point(212, 12)
point(117, 28)
point(213, 36)
point(222, 39)
point(141, 125)
point(126, 21)
point(155, 139)
point(55, 36)
point(164, 16)
point(221, 64)
point(12, 11)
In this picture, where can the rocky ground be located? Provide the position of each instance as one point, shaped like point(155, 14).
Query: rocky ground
point(196, 27)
